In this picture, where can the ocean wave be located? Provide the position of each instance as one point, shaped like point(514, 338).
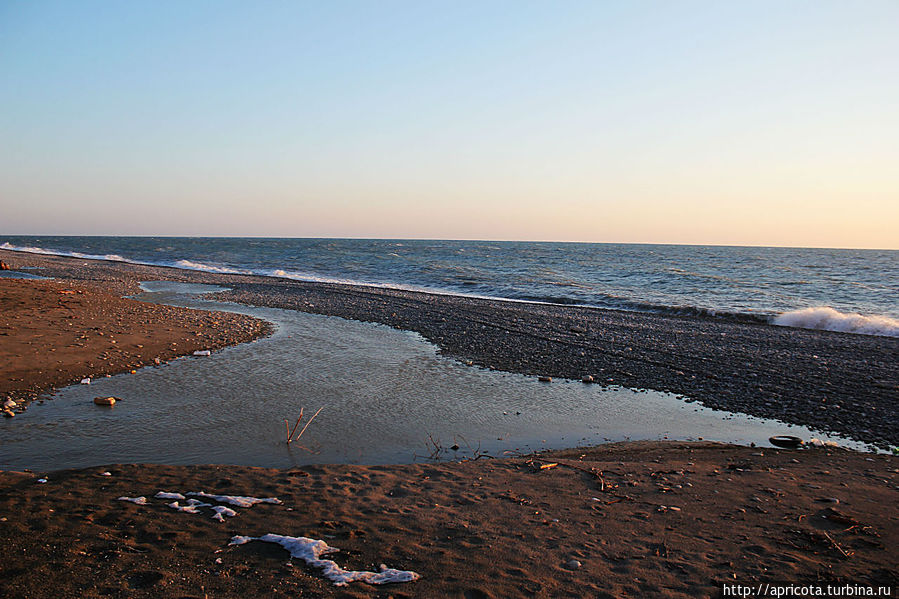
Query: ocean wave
point(46, 252)
point(309, 278)
point(190, 265)
point(462, 280)
point(827, 319)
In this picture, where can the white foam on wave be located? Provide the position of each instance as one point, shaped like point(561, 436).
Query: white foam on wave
point(301, 276)
point(185, 264)
point(827, 319)
point(46, 252)
point(190, 265)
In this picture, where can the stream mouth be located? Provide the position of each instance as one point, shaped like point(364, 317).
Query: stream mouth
point(386, 395)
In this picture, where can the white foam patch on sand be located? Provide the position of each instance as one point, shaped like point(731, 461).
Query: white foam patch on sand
point(165, 495)
point(237, 500)
point(193, 506)
point(827, 319)
point(137, 500)
point(311, 550)
point(221, 511)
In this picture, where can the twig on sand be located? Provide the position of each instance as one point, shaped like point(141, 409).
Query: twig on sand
point(476, 454)
point(837, 545)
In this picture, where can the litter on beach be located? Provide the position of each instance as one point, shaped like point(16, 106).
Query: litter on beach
point(86, 381)
point(311, 550)
point(202, 352)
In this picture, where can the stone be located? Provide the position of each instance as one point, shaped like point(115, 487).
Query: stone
point(4, 265)
point(587, 378)
point(8, 413)
point(573, 564)
point(545, 379)
point(104, 401)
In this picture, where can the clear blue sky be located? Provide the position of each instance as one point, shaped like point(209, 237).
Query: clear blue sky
point(771, 122)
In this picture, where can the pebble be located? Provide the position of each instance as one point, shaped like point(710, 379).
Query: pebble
point(587, 378)
point(573, 564)
point(545, 379)
point(105, 401)
point(828, 500)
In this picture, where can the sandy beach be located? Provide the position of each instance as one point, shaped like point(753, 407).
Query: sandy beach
point(637, 519)
point(631, 520)
point(58, 333)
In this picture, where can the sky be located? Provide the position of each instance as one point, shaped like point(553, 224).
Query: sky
point(736, 123)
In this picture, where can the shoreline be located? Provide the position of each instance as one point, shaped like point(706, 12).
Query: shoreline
point(57, 332)
point(834, 382)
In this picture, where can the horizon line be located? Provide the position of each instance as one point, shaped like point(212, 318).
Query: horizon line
point(476, 240)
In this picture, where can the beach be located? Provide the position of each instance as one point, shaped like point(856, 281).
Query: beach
point(58, 333)
point(632, 519)
point(834, 382)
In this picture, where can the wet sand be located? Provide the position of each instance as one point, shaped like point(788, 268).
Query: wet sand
point(629, 520)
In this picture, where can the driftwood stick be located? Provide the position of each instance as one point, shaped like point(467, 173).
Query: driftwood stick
point(308, 422)
point(290, 433)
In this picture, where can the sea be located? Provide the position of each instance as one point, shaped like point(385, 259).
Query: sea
point(848, 290)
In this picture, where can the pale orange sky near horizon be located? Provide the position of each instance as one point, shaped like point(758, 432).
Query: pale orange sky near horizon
point(701, 123)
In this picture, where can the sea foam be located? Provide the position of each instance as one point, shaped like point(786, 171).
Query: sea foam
point(190, 265)
point(46, 252)
point(827, 319)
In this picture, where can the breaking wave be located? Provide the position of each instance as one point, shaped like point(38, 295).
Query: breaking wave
point(827, 319)
point(189, 265)
point(38, 250)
